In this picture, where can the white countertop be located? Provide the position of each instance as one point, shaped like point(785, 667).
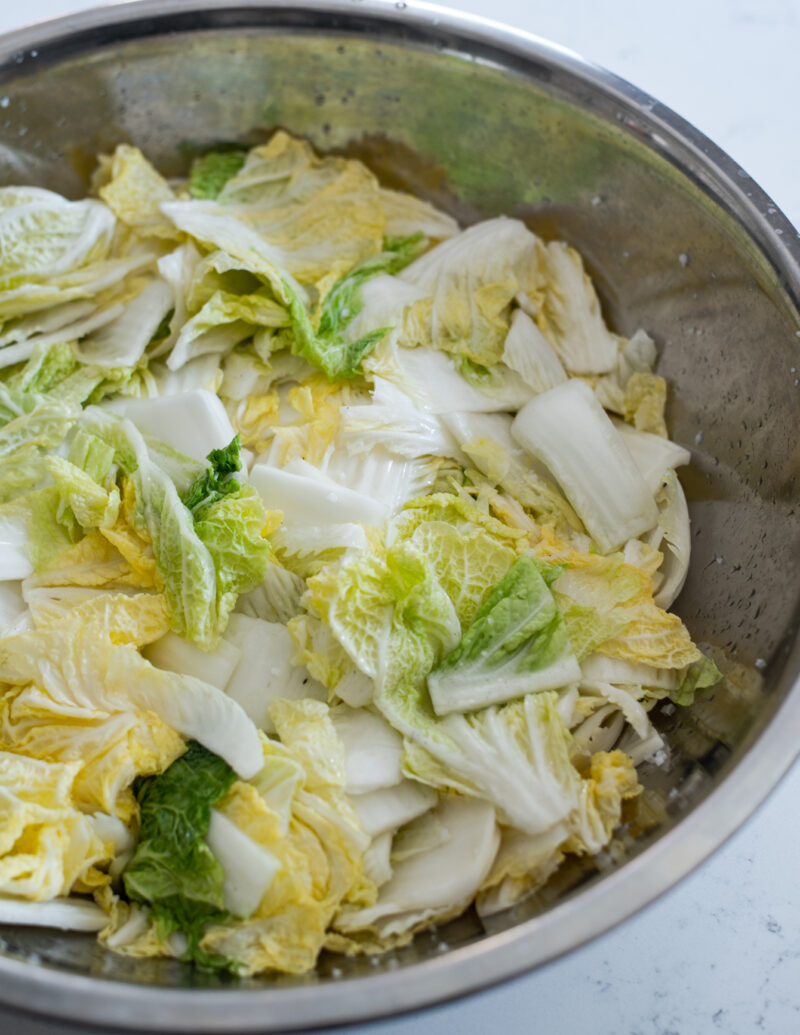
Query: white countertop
point(720, 953)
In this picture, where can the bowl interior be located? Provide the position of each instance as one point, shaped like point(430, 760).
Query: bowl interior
point(483, 125)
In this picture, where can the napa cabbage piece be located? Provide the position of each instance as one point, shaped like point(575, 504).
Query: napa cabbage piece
point(231, 530)
point(67, 306)
point(627, 700)
point(377, 859)
point(222, 298)
point(528, 352)
point(121, 341)
point(486, 439)
point(184, 563)
point(108, 749)
point(611, 780)
point(469, 282)
point(389, 479)
point(34, 531)
point(391, 420)
point(223, 322)
point(435, 884)
point(42, 326)
point(42, 402)
point(318, 649)
point(320, 216)
point(307, 498)
point(468, 549)
point(173, 871)
point(644, 402)
point(25, 442)
point(324, 212)
point(37, 526)
point(515, 756)
point(298, 421)
point(44, 235)
point(566, 310)
point(296, 808)
point(517, 644)
point(653, 455)
point(194, 423)
point(248, 868)
point(54, 373)
point(277, 599)
point(12, 604)
point(26, 341)
point(24, 388)
point(386, 809)
point(86, 659)
point(174, 654)
point(204, 373)
point(395, 621)
point(632, 389)
point(91, 504)
point(226, 319)
point(406, 214)
point(327, 346)
point(265, 670)
point(441, 383)
point(525, 862)
point(384, 299)
point(568, 430)
point(345, 300)
point(177, 268)
point(373, 750)
point(207, 558)
point(47, 847)
point(675, 544)
point(134, 191)
point(63, 273)
point(104, 559)
point(362, 600)
point(608, 607)
point(701, 674)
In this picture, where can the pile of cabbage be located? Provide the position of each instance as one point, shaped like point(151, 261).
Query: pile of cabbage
point(336, 548)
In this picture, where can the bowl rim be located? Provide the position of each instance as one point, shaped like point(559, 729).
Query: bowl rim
point(766, 757)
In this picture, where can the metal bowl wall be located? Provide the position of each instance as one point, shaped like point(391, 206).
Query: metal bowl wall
point(481, 121)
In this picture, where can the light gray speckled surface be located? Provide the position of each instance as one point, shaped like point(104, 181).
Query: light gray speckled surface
point(721, 953)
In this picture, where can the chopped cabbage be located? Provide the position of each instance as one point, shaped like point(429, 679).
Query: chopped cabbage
point(335, 546)
point(568, 430)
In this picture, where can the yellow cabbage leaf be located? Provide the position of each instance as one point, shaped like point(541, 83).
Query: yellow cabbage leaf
point(109, 749)
point(47, 847)
point(326, 214)
point(611, 780)
point(134, 191)
point(644, 401)
point(86, 659)
point(608, 606)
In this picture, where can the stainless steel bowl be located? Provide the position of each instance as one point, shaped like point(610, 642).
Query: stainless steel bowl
point(481, 120)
